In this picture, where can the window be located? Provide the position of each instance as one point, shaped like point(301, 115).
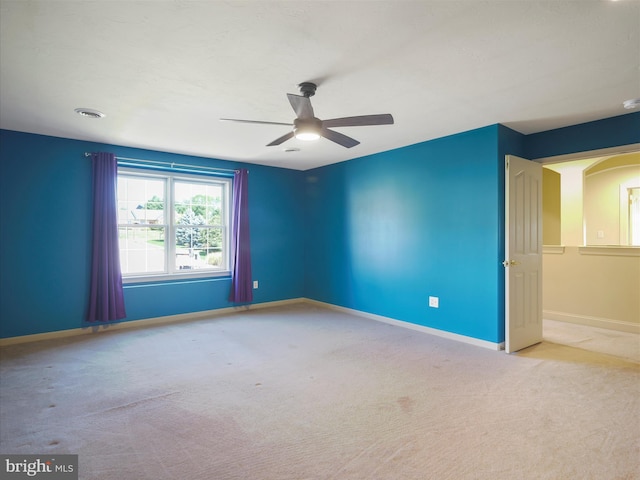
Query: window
point(172, 225)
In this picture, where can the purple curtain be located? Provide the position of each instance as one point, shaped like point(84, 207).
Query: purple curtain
point(106, 298)
point(241, 282)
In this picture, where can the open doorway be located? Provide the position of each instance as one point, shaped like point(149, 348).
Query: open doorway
point(591, 262)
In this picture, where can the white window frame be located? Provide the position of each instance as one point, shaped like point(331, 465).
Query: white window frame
point(171, 273)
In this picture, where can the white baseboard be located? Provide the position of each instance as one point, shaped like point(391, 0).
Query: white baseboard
point(147, 322)
point(608, 323)
point(187, 317)
point(412, 326)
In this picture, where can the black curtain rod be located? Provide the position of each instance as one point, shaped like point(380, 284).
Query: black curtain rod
point(170, 164)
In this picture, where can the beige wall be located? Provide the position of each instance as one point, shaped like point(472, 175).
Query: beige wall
point(551, 232)
point(597, 285)
point(572, 195)
point(606, 214)
point(595, 289)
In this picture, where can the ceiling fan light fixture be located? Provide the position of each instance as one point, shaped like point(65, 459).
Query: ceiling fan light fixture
point(307, 130)
point(307, 136)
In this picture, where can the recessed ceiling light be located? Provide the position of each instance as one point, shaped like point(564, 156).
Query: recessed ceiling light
point(633, 103)
point(89, 112)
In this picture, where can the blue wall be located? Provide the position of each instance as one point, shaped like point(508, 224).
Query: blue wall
point(378, 234)
point(45, 200)
point(606, 133)
point(386, 231)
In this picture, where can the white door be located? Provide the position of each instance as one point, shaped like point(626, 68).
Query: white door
point(523, 251)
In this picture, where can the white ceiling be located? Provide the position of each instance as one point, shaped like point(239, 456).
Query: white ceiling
point(164, 72)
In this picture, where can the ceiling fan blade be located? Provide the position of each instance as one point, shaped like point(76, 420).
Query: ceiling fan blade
point(280, 140)
point(253, 121)
point(339, 138)
point(362, 120)
point(301, 105)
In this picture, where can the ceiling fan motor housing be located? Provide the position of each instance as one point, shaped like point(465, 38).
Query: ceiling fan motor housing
point(308, 89)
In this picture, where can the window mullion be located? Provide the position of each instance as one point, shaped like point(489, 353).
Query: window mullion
point(171, 246)
point(226, 214)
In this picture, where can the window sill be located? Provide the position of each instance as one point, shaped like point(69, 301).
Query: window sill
point(610, 250)
point(553, 249)
point(177, 277)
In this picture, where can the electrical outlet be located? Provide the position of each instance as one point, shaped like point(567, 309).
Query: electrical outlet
point(434, 302)
point(255, 284)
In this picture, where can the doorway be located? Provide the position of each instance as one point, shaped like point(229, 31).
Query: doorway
point(578, 308)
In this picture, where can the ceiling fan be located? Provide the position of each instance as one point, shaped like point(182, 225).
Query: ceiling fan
point(307, 127)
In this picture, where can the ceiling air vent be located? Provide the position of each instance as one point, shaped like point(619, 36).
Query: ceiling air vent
point(89, 112)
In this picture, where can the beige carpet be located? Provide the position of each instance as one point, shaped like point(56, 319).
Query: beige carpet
point(611, 342)
point(301, 392)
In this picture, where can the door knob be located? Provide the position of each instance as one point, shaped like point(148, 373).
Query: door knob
point(510, 263)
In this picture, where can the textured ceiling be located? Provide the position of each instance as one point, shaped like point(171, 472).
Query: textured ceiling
point(164, 72)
